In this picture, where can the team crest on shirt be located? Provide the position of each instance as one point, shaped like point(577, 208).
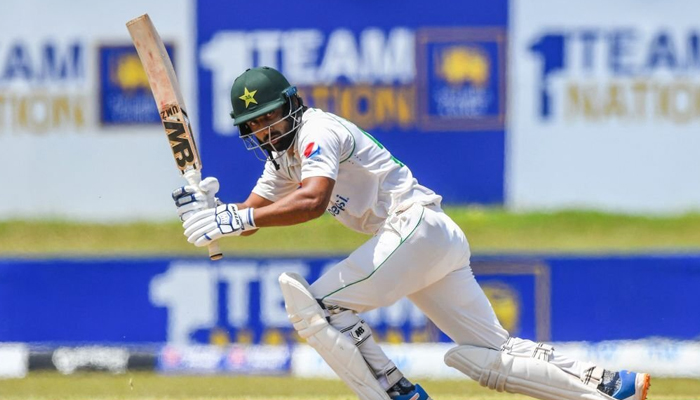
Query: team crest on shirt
point(312, 149)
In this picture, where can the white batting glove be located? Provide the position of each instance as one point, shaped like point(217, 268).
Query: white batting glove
point(213, 223)
point(190, 199)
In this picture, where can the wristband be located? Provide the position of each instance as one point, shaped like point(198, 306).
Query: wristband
point(246, 216)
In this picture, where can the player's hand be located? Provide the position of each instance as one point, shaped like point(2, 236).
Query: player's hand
point(190, 199)
point(213, 223)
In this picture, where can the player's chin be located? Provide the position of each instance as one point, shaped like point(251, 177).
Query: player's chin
point(283, 142)
point(275, 139)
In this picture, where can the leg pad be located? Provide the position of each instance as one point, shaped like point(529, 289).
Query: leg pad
point(341, 354)
point(501, 371)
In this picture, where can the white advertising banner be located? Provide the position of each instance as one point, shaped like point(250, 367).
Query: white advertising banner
point(415, 360)
point(604, 102)
point(14, 360)
point(80, 134)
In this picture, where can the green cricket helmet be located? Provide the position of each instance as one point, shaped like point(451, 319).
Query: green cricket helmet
point(255, 93)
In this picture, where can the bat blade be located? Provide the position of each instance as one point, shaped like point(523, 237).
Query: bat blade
point(182, 144)
point(171, 104)
point(166, 91)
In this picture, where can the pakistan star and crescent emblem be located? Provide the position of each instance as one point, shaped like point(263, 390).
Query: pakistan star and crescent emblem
point(248, 97)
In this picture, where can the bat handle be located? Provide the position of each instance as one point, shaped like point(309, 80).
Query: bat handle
point(193, 177)
point(214, 251)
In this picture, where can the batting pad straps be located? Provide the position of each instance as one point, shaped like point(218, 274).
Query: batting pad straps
point(543, 352)
point(360, 333)
point(593, 376)
point(520, 348)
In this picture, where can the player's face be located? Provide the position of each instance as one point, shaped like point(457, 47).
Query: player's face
point(269, 127)
point(273, 132)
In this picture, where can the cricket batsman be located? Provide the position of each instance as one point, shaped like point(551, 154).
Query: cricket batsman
point(317, 162)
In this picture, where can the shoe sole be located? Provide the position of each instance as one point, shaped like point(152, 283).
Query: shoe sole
point(643, 382)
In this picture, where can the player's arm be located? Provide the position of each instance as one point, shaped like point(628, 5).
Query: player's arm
point(301, 205)
point(254, 201)
point(304, 204)
point(292, 204)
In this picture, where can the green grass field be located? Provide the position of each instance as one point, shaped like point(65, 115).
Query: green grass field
point(489, 231)
point(148, 386)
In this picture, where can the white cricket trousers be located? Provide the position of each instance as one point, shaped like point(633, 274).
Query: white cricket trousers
point(421, 254)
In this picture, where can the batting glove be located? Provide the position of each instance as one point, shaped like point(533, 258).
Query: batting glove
point(213, 223)
point(191, 199)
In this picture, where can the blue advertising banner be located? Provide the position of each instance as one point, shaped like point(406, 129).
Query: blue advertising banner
point(427, 81)
point(188, 301)
point(625, 297)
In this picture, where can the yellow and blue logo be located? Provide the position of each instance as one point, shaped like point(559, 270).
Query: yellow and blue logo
point(520, 294)
point(506, 304)
point(461, 79)
point(125, 95)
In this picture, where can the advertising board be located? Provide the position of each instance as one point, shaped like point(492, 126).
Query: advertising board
point(78, 124)
point(428, 82)
point(193, 302)
point(604, 106)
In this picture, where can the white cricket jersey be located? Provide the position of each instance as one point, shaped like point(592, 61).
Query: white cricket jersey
point(369, 183)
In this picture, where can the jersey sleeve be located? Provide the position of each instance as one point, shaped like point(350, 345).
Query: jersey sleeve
point(321, 148)
point(272, 185)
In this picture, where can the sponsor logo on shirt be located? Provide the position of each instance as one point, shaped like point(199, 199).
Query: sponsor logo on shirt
point(312, 149)
point(339, 205)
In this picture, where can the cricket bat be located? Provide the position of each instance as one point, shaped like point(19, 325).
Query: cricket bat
point(171, 105)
